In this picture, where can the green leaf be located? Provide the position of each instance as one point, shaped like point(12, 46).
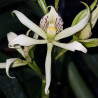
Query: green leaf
point(82, 14)
point(78, 85)
point(90, 42)
point(92, 62)
point(85, 33)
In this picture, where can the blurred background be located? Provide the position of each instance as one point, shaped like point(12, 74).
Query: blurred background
point(74, 75)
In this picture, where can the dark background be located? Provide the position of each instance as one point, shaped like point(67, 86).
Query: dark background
point(27, 84)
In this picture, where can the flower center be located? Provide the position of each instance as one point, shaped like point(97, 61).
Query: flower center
point(52, 24)
point(51, 32)
point(57, 21)
point(52, 28)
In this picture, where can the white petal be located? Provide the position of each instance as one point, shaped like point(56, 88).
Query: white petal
point(48, 67)
point(8, 64)
point(28, 23)
point(15, 62)
point(2, 65)
point(35, 37)
point(74, 29)
point(24, 40)
point(11, 36)
point(71, 46)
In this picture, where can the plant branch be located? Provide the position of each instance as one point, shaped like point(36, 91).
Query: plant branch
point(36, 69)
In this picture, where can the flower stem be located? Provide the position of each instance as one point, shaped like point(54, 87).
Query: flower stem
point(34, 66)
point(60, 53)
point(43, 6)
point(37, 70)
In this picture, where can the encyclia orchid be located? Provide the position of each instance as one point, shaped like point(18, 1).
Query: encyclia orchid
point(15, 62)
point(51, 30)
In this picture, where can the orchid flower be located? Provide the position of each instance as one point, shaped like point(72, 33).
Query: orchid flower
point(13, 62)
point(16, 62)
point(51, 30)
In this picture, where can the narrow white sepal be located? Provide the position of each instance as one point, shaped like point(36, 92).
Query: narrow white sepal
point(2, 65)
point(24, 40)
point(74, 29)
point(35, 36)
point(8, 64)
point(13, 62)
point(71, 46)
point(28, 23)
point(11, 36)
point(48, 67)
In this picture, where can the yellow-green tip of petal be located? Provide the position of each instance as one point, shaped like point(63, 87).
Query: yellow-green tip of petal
point(84, 4)
point(12, 13)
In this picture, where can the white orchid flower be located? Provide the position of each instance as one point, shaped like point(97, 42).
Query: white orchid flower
point(14, 62)
point(51, 30)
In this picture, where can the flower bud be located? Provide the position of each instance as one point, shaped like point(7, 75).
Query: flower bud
point(51, 32)
point(85, 33)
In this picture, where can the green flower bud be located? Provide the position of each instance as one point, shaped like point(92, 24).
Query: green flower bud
point(85, 33)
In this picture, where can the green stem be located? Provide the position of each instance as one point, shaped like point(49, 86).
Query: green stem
point(56, 4)
point(78, 85)
point(60, 53)
point(36, 69)
point(43, 95)
point(43, 6)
